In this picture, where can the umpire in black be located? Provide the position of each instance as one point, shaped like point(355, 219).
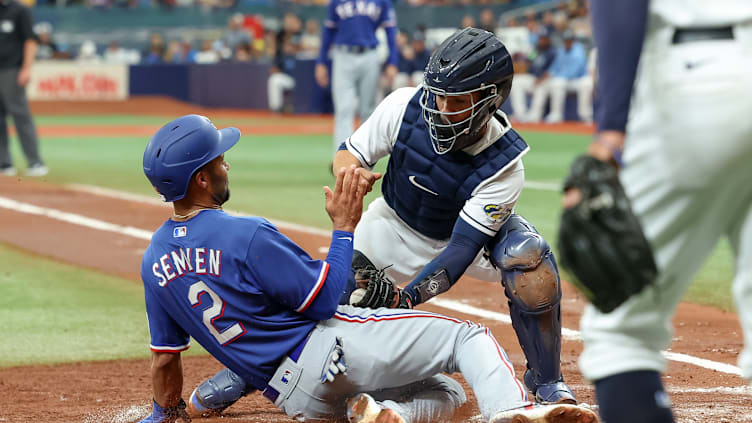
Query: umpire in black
point(18, 46)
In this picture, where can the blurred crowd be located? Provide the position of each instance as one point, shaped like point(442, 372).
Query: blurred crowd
point(557, 60)
point(244, 39)
point(225, 4)
point(550, 48)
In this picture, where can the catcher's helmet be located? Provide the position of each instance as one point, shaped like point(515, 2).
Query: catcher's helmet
point(471, 60)
point(180, 148)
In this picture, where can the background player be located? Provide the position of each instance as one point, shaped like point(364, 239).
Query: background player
point(356, 66)
point(264, 308)
point(19, 46)
point(693, 85)
point(453, 178)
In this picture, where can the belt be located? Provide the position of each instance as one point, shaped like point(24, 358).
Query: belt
point(270, 393)
point(688, 35)
point(353, 48)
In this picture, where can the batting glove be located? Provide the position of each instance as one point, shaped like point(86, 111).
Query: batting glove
point(336, 364)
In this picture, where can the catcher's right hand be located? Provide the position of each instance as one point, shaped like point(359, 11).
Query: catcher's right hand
point(600, 239)
point(376, 290)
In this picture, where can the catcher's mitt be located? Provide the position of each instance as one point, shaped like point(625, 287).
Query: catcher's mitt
point(600, 239)
point(375, 289)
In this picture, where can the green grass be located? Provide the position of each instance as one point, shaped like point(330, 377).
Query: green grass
point(56, 312)
point(60, 313)
point(76, 120)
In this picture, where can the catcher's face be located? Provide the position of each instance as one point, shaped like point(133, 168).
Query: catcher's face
point(456, 108)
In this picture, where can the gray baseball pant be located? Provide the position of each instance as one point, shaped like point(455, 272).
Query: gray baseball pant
point(355, 77)
point(13, 102)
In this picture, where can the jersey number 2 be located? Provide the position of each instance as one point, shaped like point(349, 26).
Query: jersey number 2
point(213, 313)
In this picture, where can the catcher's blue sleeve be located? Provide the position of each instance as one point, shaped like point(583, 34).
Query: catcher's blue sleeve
point(619, 31)
point(463, 247)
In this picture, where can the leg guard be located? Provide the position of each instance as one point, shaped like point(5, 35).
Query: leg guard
point(218, 392)
point(531, 283)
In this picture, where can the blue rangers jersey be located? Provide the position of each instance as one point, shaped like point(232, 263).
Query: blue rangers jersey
point(356, 21)
point(239, 287)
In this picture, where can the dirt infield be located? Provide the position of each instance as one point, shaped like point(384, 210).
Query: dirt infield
point(120, 391)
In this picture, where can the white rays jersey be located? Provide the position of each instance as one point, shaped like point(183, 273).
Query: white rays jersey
point(386, 239)
point(687, 172)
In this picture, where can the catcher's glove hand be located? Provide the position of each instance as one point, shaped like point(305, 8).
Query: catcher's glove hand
point(376, 290)
point(600, 240)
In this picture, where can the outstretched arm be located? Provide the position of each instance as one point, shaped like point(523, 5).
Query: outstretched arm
point(443, 271)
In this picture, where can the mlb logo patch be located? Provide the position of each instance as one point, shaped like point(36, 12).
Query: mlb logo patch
point(286, 376)
point(179, 232)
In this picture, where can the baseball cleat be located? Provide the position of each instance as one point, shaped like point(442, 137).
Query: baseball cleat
point(362, 408)
point(549, 393)
point(8, 171)
point(551, 413)
point(37, 170)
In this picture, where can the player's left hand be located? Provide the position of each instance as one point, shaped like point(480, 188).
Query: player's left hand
point(336, 364)
point(24, 75)
point(167, 415)
point(344, 204)
point(600, 239)
point(390, 72)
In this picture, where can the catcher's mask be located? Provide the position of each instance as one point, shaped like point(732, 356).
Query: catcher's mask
point(470, 61)
point(180, 148)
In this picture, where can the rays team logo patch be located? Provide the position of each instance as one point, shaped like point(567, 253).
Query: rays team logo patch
point(179, 232)
point(497, 212)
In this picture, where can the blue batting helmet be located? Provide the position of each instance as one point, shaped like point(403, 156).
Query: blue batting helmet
point(180, 148)
point(471, 60)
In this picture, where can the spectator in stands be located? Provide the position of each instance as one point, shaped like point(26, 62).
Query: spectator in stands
point(421, 57)
point(547, 20)
point(117, 54)
point(155, 51)
point(287, 47)
point(561, 26)
point(243, 53)
point(47, 49)
point(87, 52)
point(488, 21)
point(18, 45)
point(189, 52)
point(174, 53)
point(467, 21)
point(404, 62)
point(568, 72)
point(207, 54)
point(310, 41)
point(511, 22)
point(533, 81)
point(236, 33)
point(534, 29)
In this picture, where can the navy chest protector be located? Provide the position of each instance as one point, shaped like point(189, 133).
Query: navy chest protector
point(427, 190)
